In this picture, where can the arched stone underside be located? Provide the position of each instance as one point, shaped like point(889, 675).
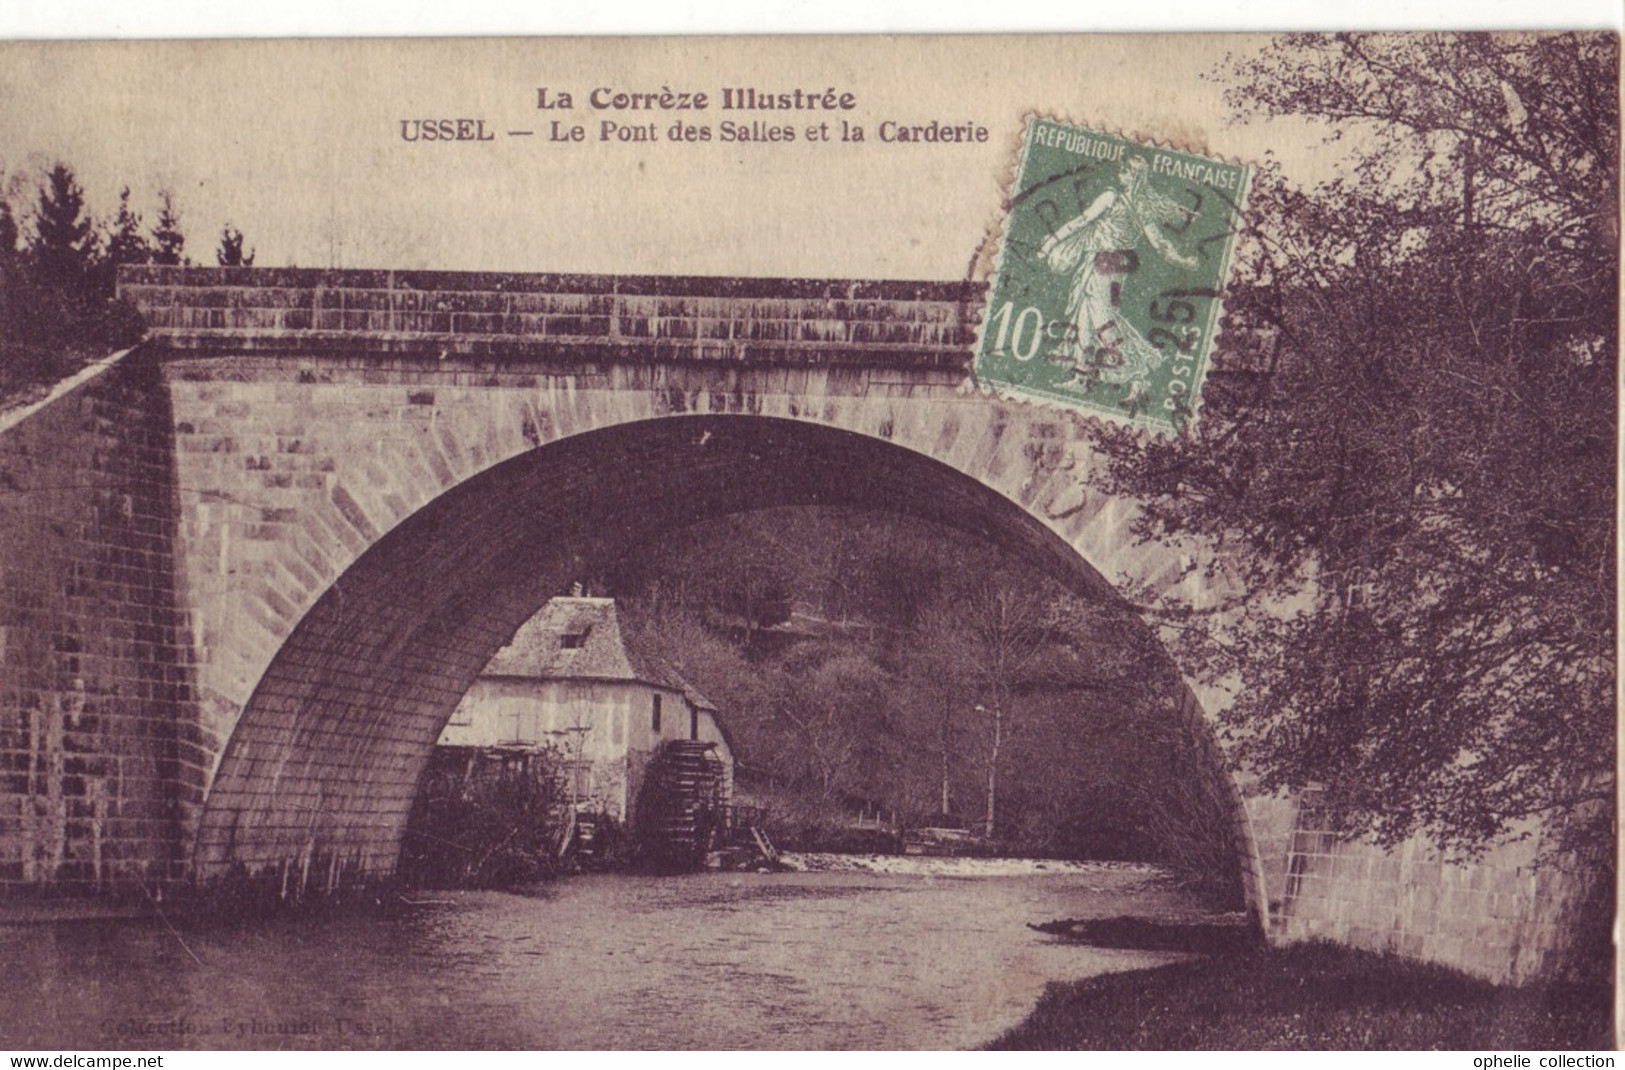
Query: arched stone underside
point(313, 788)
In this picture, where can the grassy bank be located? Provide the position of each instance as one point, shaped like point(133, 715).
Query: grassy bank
point(1314, 996)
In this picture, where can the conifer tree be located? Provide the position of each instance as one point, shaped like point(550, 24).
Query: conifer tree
point(168, 243)
point(8, 236)
point(230, 253)
point(63, 247)
point(127, 244)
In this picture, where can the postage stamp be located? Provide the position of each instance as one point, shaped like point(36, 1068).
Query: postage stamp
point(1111, 268)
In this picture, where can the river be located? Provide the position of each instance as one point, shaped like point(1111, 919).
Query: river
point(736, 961)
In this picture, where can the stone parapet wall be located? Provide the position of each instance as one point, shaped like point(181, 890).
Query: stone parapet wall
point(559, 317)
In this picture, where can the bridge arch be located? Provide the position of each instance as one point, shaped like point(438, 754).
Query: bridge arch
point(320, 769)
point(239, 515)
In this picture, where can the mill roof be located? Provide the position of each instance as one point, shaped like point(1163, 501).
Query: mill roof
point(582, 639)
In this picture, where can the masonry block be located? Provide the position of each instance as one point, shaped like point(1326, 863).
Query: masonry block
point(93, 630)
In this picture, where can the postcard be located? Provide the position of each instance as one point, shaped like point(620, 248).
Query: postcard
point(809, 542)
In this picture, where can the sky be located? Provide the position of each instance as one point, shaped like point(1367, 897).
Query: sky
point(301, 144)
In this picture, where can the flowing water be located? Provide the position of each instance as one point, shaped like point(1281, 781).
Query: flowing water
point(788, 960)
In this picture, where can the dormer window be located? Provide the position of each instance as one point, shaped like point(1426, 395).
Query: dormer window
point(574, 640)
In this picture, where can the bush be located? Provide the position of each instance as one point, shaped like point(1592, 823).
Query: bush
point(485, 819)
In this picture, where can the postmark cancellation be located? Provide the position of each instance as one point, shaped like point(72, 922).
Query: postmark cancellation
point(1110, 273)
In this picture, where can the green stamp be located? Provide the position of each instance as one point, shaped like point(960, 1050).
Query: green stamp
point(1107, 288)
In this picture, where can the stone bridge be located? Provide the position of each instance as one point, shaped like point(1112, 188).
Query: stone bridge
point(248, 568)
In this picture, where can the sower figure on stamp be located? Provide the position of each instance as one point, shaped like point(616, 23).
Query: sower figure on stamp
point(1099, 245)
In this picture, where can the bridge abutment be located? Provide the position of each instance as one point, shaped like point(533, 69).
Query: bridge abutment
point(104, 763)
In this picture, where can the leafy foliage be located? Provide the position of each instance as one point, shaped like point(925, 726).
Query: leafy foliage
point(482, 820)
point(913, 672)
point(1406, 453)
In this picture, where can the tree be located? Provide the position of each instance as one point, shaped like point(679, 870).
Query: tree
point(168, 243)
point(1003, 626)
point(63, 247)
point(230, 253)
point(9, 285)
point(8, 236)
point(869, 697)
point(739, 576)
point(940, 691)
point(1408, 441)
point(57, 303)
point(126, 244)
point(834, 705)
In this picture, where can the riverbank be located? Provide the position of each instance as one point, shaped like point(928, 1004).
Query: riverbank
point(1311, 996)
